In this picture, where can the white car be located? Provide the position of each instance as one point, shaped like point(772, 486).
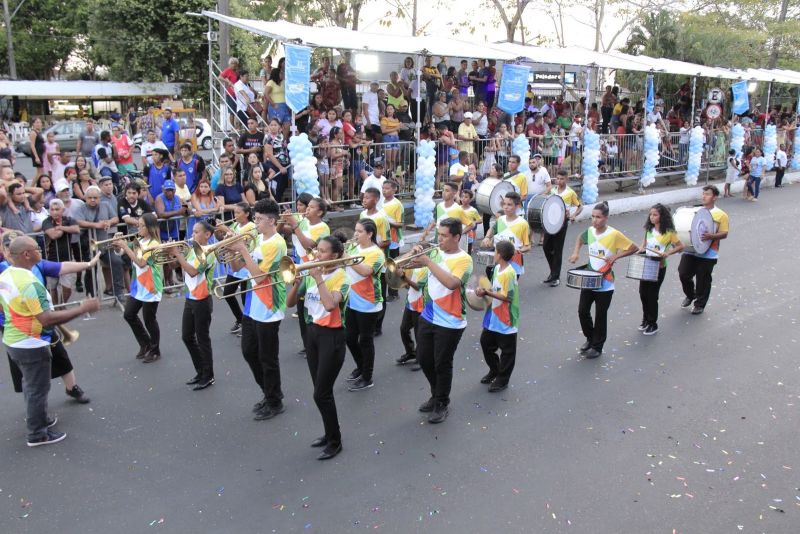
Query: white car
point(204, 138)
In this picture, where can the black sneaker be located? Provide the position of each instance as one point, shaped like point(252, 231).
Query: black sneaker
point(259, 405)
point(487, 378)
point(77, 393)
point(405, 358)
point(52, 436)
point(642, 327)
point(236, 328)
point(496, 386)
point(203, 383)
point(697, 310)
point(439, 414)
point(650, 330)
point(593, 353)
point(360, 384)
point(686, 302)
point(268, 412)
point(427, 406)
point(547, 280)
point(585, 347)
point(193, 381)
point(330, 451)
point(555, 283)
point(355, 375)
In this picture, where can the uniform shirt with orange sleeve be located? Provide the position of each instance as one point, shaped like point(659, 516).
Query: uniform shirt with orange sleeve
point(518, 232)
point(442, 306)
point(414, 298)
point(198, 287)
point(365, 291)
point(601, 246)
point(314, 310)
point(395, 213)
point(267, 303)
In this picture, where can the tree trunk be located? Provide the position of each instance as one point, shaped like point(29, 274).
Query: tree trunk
point(773, 55)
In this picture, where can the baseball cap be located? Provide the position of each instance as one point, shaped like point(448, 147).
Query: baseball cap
point(537, 155)
point(168, 184)
point(61, 187)
point(104, 178)
point(468, 115)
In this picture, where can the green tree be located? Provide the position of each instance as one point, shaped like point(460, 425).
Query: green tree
point(45, 33)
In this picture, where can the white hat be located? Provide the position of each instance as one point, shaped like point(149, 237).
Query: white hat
point(468, 115)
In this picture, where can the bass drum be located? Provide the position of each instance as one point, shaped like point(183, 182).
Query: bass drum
point(546, 213)
point(489, 195)
point(691, 224)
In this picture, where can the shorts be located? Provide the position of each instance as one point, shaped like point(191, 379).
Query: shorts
point(391, 141)
point(280, 112)
point(125, 168)
point(66, 281)
point(324, 168)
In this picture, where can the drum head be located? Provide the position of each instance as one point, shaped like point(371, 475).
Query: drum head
point(702, 223)
point(496, 197)
point(554, 212)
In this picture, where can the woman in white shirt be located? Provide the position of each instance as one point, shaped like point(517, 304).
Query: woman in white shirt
point(731, 172)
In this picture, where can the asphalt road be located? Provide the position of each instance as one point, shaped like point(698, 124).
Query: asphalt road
point(693, 430)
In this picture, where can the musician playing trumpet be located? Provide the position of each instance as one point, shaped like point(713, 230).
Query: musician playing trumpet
point(146, 288)
point(265, 304)
point(198, 276)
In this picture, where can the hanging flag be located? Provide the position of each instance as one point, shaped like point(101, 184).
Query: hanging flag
point(741, 100)
point(513, 85)
point(296, 82)
point(650, 100)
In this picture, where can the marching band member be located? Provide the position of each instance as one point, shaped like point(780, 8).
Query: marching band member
point(241, 225)
point(447, 208)
point(305, 234)
point(501, 321)
point(264, 308)
point(553, 245)
point(511, 227)
point(326, 291)
point(198, 276)
point(516, 177)
point(698, 267)
point(383, 238)
point(364, 303)
point(27, 335)
point(395, 213)
point(472, 216)
point(444, 315)
point(660, 241)
point(606, 245)
point(415, 279)
point(146, 288)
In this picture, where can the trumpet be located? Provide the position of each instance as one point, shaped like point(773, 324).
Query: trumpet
point(286, 272)
point(224, 255)
point(161, 253)
point(95, 245)
point(395, 267)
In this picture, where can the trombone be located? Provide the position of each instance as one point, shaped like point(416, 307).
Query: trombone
point(286, 272)
point(395, 267)
point(95, 245)
point(224, 255)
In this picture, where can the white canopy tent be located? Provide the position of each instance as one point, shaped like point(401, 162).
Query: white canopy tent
point(571, 56)
point(41, 89)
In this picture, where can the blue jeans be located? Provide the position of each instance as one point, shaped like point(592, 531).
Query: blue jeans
point(754, 185)
point(35, 367)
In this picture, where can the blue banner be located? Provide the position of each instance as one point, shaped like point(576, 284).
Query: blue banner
point(650, 99)
point(741, 100)
point(297, 81)
point(513, 85)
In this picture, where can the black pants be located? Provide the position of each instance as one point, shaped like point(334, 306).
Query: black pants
point(436, 346)
point(301, 316)
point(500, 366)
point(382, 313)
point(408, 325)
point(553, 247)
point(361, 340)
point(195, 328)
point(260, 350)
point(605, 113)
point(147, 334)
point(595, 332)
point(391, 253)
point(325, 354)
point(648, 292)
point(691, 268)
point(487, 223)
point(349, 98)
point(779, 177)
point(232, 303)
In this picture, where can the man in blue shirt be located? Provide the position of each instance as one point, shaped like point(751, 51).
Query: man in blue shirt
point(193, 166)
point(157, 173)
point(169, 131)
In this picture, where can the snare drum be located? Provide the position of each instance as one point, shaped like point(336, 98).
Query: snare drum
point(546, 213)
point(642, 267)
point(489, 195)
point(691, 224)
point(584, 279)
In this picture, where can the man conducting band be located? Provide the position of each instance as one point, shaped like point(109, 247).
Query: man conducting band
point(444, 315)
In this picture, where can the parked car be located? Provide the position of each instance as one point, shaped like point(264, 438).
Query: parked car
point(66, 132)
point(202, 126)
